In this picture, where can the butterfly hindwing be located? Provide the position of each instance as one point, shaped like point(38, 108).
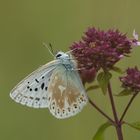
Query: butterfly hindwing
point(56, 85)
point(66, 93)
point(32, 90)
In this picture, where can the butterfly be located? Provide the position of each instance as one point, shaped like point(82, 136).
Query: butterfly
point(55, 85)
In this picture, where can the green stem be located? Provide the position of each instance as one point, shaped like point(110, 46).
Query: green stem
point(127, 107)
point(99, 110)
point(112, 103)
point(118, 125)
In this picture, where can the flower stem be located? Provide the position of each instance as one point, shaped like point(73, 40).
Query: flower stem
point(118, 125)
point(127, 107)
point(99, 110)
point(119, 132)
point(112, 102)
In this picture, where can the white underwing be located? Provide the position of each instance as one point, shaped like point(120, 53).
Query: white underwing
point(55, 85)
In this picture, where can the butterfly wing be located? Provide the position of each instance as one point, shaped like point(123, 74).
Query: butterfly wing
point(32, 90)
point(66, 93)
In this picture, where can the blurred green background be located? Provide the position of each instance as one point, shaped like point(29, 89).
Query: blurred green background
point(24, 25)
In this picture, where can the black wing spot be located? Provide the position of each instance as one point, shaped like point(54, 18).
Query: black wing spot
point(42, 86)
point(30, 89)
point(44, 98)
point(28, 82)
point(69, 109)
point(31, 98)
point(42, 77)
point(75, 106)
point(37, 99)
point(36, 89)
point(46, 88)
point(36, 80)
point(63, 111)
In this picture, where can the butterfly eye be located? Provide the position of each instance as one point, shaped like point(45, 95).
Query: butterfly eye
point(58, 55)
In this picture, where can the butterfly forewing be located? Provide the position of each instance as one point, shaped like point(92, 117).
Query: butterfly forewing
point(66, 93)
point(32, 90)
point(56, 85)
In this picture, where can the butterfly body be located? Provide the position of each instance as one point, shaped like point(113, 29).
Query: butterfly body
point(56, 85)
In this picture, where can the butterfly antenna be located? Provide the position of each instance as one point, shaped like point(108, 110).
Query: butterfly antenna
point(50, 48)
point(71, 50)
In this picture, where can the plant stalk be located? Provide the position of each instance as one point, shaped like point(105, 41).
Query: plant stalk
point(112, 103)
point(119, 132)
point(127, 107)
point(118, 125)
point(99, 110)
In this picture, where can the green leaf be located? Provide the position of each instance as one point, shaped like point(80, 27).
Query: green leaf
point(135, 125)
point(124, 92)
point(126, 55)
point(118, 70)
point(103, 80)
point(100, 132)
point(92, 87)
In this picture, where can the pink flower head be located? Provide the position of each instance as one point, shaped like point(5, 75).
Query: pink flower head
point(132, 80)
point(101, 49)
